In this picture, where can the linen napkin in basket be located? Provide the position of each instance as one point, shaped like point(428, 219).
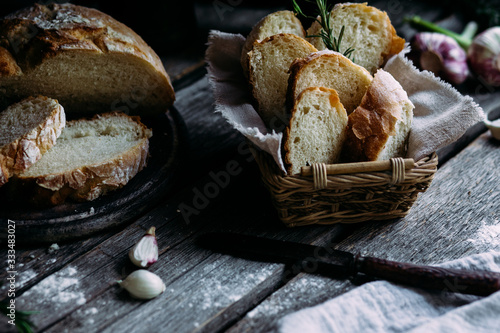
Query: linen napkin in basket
point(385, 307)
point(441, 113)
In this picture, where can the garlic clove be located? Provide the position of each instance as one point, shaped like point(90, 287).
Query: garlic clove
point(143, 284)
point(145, 252)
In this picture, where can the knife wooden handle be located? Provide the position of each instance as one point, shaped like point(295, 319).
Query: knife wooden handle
point(480, 283)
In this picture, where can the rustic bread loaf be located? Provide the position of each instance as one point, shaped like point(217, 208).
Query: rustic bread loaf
point(283, 21)
point(269, 62)
point(86, 59)
point(331, 70)
point(27, 130)
point(366, 29)
point(317, 129)
point(378, 129)
point(91, 157)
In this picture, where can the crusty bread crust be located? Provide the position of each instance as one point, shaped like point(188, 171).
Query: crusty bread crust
point(283, 21)
point(23, 152)
point(35, 35)
point(88, 182)
point(392, 44)
point(8, 65)
point(299, 65)
point(375, 121)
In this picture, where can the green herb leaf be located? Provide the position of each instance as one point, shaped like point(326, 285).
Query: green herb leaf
point(23, 323)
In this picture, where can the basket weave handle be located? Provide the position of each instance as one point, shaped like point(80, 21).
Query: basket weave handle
point(319, 171)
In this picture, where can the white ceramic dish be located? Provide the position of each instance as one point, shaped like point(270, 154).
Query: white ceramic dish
point(494, 127)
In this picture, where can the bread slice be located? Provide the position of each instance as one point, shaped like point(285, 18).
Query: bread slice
point(280, 22)
point(378, 129)
point(367, 29)
point(331, 70)
point(82, 57)
point(91, 157)
point(269, 63)
point(27, 130)
point(317, 129)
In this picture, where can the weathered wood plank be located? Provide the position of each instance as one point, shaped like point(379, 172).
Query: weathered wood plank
point(456, 217)
point(88, 280)
point(33, 264)
point(490, 102)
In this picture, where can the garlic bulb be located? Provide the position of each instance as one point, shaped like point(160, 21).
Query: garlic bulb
point(441, 55)
point(484, 56)
point(143, 284)
point(145, 252)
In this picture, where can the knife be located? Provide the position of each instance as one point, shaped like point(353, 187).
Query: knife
point(335, 263)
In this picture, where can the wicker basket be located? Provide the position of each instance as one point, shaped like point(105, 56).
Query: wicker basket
point(347, 198)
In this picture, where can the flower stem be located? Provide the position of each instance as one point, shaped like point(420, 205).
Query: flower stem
point(464, 39)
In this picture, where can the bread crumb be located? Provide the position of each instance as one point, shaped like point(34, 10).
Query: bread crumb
point(53, 248)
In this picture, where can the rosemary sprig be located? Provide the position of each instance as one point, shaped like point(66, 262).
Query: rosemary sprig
point(23, 322)
point(331, 42)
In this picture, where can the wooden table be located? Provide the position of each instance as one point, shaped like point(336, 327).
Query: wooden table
point(74, 288)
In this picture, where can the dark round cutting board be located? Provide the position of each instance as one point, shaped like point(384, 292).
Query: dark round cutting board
point(79, 219)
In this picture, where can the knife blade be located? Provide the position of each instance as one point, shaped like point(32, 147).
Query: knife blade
point(328, 261)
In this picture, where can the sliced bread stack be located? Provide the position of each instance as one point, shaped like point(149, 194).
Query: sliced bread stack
point(331, 108)
point(52, 160)
point(91, 158)
point(280, 22)
point(92, 65)
point(269, 62)
point(28, 129)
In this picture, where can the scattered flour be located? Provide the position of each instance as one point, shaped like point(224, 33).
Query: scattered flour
point(25, 276)
point(91, 311)
point(59, 290)
point(88, 313)
point(285, 300)
point(487, 235)
point(219, 293)
point(53, 248)
point(22, 277)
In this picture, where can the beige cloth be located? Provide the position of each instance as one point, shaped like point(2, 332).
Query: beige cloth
point(441, 114)
point(384, 307)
